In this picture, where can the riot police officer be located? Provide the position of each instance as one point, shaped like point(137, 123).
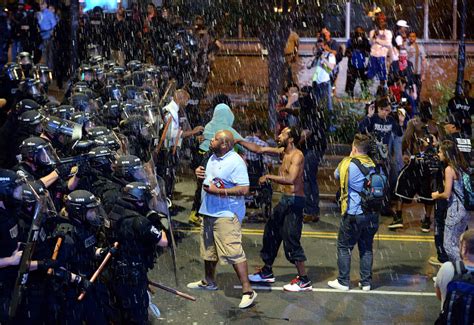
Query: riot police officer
point(138, 230)
point(10, 254)
point(78, 258)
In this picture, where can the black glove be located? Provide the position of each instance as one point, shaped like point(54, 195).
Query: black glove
point(104, 251)
point(83, 283)
point(83, 169)
point(158, 220)
point(62, 274)
point(47, 264)
point(63, 170)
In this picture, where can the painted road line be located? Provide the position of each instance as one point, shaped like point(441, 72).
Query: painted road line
point(357, 291)
point(331, 235)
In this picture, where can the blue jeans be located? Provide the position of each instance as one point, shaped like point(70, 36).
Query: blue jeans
point(356, 229)
point(311, 188)
point(323, 94)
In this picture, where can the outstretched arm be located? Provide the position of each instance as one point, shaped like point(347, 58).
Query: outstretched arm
point(259, 149)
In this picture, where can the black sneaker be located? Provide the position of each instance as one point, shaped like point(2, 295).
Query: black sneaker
point(262, 276)
point(396, 223)
point(426, 225)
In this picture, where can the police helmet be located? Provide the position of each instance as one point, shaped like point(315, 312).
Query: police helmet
point(32, 88)
point(24, 60)
point(134, 65)
point(99, 72)
point(30, 121)
point(50, 108)
point(38, 151)
point(43, 73)
point(108, 141)
point(13, 71)
point(96, 60)
point(80, 101)
point(27, 196)
point(139, 78)
point(101, 156)
point(9, 180)
point(84, 206)
point(55, 126)
point(113, 92)
point(26, 105)
point(65, 112)
point(111, 109)
point(98, 131)
point(137, 192)
point(86, 73)
point(130, 168)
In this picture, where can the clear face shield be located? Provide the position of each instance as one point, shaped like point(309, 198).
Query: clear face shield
point(44, 75)
point(139, 174)
point(95, 215)
point(14, 72)
point(46, 156)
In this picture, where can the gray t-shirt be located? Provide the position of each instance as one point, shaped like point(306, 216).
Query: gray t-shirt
point(444, 276)
point(411, 50)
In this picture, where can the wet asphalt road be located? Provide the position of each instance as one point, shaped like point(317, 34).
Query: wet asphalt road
point(403, 291)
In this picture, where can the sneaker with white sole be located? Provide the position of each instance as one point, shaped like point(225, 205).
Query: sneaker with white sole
point(202, 285)
point(247, 299)
point(364, 288)
point(336, 285)
point(262, 276)
point(299, 284)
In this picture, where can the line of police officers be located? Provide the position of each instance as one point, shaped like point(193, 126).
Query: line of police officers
point(88, 163)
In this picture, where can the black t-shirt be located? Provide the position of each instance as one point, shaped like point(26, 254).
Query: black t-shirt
point(312, 119)
point(466, 107)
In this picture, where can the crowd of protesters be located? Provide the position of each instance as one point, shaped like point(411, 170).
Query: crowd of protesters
point(124, 99)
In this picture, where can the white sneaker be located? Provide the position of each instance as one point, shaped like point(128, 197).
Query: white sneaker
point(261, 277)
point(364, 288)
point(336, 285)
point(247, 300)
point(202, 285)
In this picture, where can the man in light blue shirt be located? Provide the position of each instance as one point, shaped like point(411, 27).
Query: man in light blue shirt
point(47, 21)
point(225, 183)
point(356, 226)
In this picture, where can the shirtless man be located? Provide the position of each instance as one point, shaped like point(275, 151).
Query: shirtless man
point(286, 222)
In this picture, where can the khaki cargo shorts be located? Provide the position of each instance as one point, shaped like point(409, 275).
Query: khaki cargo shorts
point(221, 240)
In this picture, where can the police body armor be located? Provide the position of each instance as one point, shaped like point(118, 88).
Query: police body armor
point(135, 255)
point(8, 244)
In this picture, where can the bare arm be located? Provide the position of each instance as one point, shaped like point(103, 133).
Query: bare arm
point(296, 165)
point(49, 179)
point(449, 175)
point(259, 149)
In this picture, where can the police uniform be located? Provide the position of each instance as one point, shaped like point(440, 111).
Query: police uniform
point(8, 244)
point(137, 237)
